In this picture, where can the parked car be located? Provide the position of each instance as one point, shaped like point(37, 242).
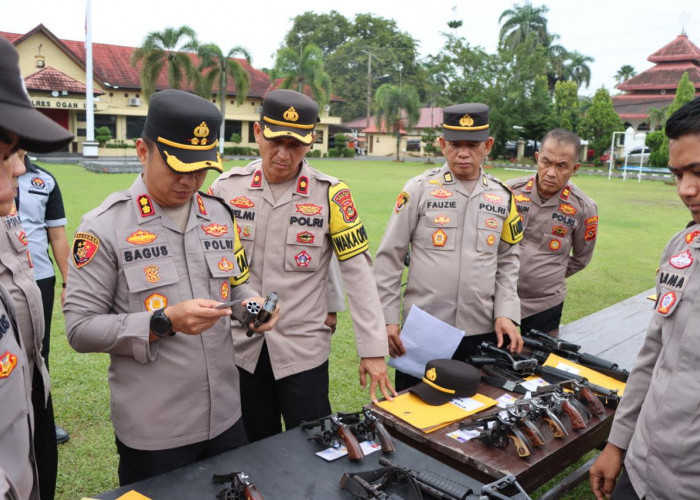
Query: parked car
point(638, 156)
point(511, 149)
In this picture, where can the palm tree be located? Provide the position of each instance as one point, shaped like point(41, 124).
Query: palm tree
point(624, 73)
point(221, 67)
point(556, 59)
point(166, 48)
point(304, 68)
point(519, 22)
point(657, 116)
point(396, 106)
point(577, 68)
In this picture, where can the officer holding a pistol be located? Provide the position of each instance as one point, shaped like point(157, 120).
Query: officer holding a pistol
point(149, 267)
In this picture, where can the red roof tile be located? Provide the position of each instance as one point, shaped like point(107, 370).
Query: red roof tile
point(48, 79)
point(112, 64)
point(429, 117)
point(680, 49)
point(662, 76)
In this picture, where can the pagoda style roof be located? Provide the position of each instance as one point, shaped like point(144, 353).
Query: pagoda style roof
point(680, 49)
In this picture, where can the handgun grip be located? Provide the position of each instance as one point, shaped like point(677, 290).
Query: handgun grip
point(532, 432)
point(592, 401)
point(351, 443)
point(575, 417)
point(522, 445)
point(384, 438)
point(557, 428)
point(251, 493)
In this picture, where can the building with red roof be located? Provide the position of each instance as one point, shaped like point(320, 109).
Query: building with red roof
point(54, 73)
point(656, 87)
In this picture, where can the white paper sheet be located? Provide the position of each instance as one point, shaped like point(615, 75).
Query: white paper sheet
point(425, 337)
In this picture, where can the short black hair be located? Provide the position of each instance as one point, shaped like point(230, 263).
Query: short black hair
point(565, 136)
point(686, 120)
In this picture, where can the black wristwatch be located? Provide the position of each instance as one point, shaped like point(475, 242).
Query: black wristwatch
point(161, 326)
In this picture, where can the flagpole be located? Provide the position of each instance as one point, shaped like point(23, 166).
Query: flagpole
point(89, 146)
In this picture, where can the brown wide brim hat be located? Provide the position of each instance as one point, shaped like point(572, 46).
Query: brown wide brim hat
point(37, 132)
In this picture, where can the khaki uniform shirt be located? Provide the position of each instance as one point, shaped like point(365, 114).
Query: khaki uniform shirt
point(129, 260)
point(657, 420)
point(16, 416)
point(464, 260)
point(560, 236)
point(289, 243)
point(16, 273)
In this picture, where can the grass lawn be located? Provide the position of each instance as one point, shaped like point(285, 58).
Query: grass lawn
point(636, 221)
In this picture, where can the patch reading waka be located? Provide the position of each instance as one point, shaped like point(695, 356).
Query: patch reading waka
point(682, 260)
point(215, 229)
point(439, 238)
point(242, 202)
point(141, 237)
point(303, 259)
point(155, 301)
point(85, 247)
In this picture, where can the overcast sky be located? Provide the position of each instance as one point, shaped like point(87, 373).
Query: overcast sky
point(613, 32)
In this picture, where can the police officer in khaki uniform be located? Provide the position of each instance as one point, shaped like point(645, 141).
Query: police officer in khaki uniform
point(560, 224)
point(149, 267)
point(462, 228)
point(292, 218)
point(657, 422)
point(21, 126)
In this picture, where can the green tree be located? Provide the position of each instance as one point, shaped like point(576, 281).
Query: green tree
point(396, 107)
point(625, 72)
point(577, 68)
point(428, 136)
point(518, 23)
point(218, 68)
point(657, 117)
point(566, 103)
point(540, 116)
point(327, 31)
point(599, 122)
point(304, 68)
point(168, 48)
point(685, 92)
point(103, 135)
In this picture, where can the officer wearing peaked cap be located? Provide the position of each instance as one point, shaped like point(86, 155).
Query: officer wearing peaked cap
point(293, 218)
point(462, 227)
point(149, 267)
point(23, 376)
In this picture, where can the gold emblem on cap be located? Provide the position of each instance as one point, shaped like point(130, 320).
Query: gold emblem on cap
point(431, 374)
point(291, 114)
point(466, 121)
point(201, 132)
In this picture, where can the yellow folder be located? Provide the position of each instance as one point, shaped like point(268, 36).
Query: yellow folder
point(593, 376)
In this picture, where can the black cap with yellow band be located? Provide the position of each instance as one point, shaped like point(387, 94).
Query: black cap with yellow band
point(185, 128)
point(289, 114)
point(446, 379)
point(466, 122)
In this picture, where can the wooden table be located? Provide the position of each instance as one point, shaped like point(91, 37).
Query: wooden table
point(487, 464)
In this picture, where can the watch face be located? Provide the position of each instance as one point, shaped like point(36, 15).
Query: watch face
point(160, 323)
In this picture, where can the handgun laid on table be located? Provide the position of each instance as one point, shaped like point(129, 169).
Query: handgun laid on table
point(241, 487)
point(252, 312)
point(497, 428)
point(542, 345)
point(366, 426)
point(331, 431)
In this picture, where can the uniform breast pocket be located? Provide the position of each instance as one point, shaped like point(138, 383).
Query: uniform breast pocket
point(152, 284)
point(439, 230)
point(559, 245)
point(12, 388)
point(303, 249)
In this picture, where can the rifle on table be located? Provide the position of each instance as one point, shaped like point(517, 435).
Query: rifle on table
point(542, 345)
point(241, 487)
point(366, 426)
point(331, 432)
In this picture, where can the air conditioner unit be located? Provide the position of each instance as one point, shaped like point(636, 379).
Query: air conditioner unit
point(134, 101)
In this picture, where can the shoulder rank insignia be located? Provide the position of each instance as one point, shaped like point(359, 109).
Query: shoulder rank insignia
point(200, 205)
point(447, 177)
point(691, 236)
point(528, 186)
point(85, 247)
point(565, 193)
point(257, 179)
point(303, 185)
point(145, 205)
point(401, 201)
